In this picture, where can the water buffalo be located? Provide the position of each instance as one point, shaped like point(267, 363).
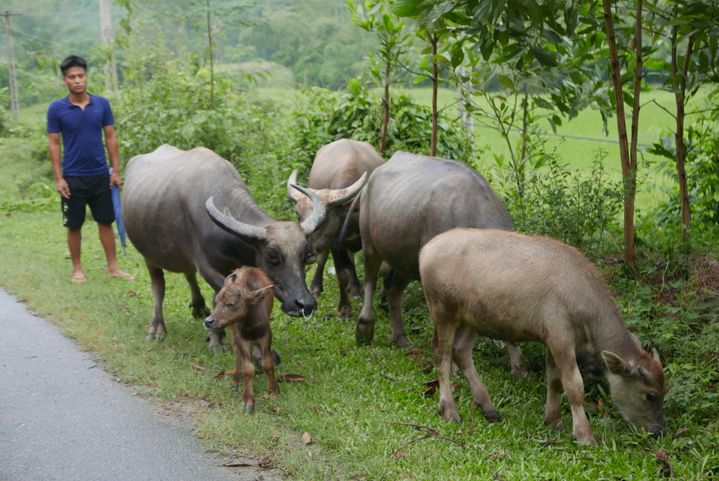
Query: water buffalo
point(338, 173)
point(518, 288)
point(407, 202)
point(244, 305)
point(168, 195)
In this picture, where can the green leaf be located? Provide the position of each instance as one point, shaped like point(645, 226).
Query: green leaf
point(506, 82)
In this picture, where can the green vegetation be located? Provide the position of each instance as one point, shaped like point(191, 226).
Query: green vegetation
point(540, 118)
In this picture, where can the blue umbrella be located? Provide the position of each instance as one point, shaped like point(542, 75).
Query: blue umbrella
point(116, 205)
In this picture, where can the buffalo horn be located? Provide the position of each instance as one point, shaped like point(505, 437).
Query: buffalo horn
point(294, 195)
point(318, 211)
point(232, 225)
point(342, 196)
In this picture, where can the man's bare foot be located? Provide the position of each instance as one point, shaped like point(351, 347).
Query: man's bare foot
point(79, 278)
point(121, 275)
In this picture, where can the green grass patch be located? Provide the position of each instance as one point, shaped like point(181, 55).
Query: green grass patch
point(365, 408)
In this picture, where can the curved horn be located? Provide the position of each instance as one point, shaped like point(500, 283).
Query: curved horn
point(318, 211)
point(342, 196)
point(232, 225)
point(294, 195)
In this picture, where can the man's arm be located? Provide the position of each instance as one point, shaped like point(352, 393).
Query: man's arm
point(114, 155)
point(53, 141)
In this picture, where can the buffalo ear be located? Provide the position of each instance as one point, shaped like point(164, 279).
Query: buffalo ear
point(655, 355)
point(231, 278)
point(615, 364)
point(256, 296)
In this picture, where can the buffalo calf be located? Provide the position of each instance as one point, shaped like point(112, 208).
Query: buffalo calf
point(244, 305)
point(518, 288)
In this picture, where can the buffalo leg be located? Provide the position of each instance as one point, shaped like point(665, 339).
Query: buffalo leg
point(317, 281)
point(442, 342)
point(394, 298)
point(463, 344)
point(345, 271)
point(216, 281)
point(364, 331)
point(517, 364)
point(268, 363)
point(552, 409)
point(244, 367)
point(197, 302)
point(354, 289)
point(573, 384)
point(157, 329)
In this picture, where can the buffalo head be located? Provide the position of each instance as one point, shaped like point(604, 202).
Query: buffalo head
point(281, 249)
point(337, 202)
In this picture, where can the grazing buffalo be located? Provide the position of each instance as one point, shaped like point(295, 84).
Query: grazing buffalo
point(168, 195)
point(244, 305)
point(407, 202)
point(518, 288)
point(338, 173)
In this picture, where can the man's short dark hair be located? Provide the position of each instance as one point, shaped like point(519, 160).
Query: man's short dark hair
point(72, 61)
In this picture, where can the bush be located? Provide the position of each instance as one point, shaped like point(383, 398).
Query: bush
point(581, 210)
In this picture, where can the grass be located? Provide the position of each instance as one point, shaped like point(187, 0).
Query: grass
point(366, 409)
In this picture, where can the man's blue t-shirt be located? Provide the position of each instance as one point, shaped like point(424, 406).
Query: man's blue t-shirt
point(83, 149)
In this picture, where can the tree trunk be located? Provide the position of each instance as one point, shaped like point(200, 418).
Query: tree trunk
point(435, 81)
point(628, 170)
point(386, 110)
point(680, 86)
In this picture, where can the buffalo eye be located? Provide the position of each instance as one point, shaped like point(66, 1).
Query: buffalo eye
point(229, 305)
point(651, 397)
point(273, 257)
point(310, 255)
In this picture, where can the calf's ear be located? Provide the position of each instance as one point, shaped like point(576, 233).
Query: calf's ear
point(256, 296)
point(615, 364)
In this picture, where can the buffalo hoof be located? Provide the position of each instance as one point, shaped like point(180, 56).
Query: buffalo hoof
point(156, 333)
point(200, 311)
point(449, 413)
point(586, 439)
point(491, 416)
point(344, 313)
point(402, 342)
point(249, 407)
point(555, 424)
point(364, 332)
point(355, 291)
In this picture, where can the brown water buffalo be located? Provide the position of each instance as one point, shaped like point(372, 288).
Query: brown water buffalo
point(407, 202)
point(244, 304)
point(167, 197)
point(518, 288)
point(338, 172)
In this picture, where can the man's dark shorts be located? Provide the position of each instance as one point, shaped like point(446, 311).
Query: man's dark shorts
point(87, 190)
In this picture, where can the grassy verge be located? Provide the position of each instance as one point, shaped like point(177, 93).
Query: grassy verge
point(369, 410)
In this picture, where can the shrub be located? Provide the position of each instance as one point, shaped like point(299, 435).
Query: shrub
point(356, 113)
point(580, 210)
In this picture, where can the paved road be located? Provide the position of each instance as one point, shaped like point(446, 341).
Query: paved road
point(63, 419)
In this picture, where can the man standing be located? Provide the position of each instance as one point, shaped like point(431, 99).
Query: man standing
point(83, 178)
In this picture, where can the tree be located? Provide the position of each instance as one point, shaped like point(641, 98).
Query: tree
point(693, 30)
point(374, 16)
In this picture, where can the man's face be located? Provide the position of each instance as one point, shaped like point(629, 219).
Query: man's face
point(76, 80)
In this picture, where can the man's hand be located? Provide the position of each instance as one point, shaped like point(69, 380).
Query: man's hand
point(115, 180)
point(62, 188)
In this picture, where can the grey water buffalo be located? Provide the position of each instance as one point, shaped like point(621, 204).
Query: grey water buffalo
point(338, 173)
point(244, 304)
point(407, 202)
point(518, 288)
point(167, 198)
